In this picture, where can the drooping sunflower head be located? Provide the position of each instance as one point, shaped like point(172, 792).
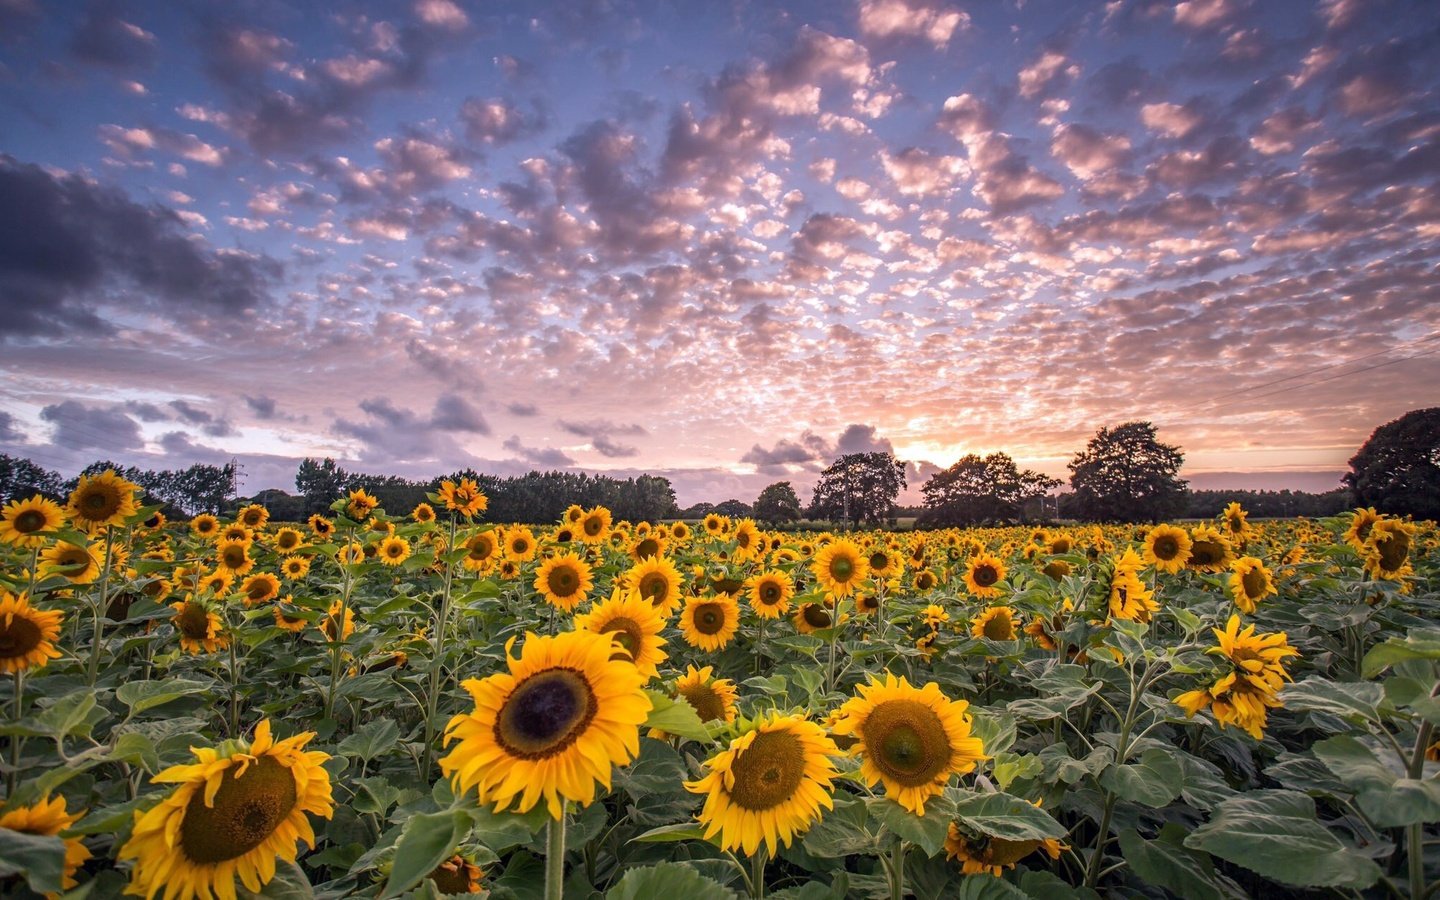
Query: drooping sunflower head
point(634, 625)
point(768, 786)
point(254, 516)
point(101, 500)
point(338, 624)
point(1387, 550)
point(48, 817)
point(27, 634)
point(984, 574)
point(1250, 582)
point(290, 621)
point(457, 875)
point(564, 581)
point(1056, 569)
point(996, 624)
point(911, 739)
point(771, 593)
point(657, 581)
point(979, 853)
point(1167, 548)
point(322, 526)
point(551, 727)
point(1060, 544)
point(1233, 519)
point(1361, 521)
point(709, 623)
point(1130, 599)
point(231, 815)
point(24, 521)
point(840, 566)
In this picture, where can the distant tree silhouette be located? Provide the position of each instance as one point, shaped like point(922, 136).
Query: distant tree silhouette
point(1125, 474)
point(858, 488)
point(777, 504)
point(1397, 470)
point(979, 489)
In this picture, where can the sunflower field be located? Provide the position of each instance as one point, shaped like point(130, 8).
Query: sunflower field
point(421, 703)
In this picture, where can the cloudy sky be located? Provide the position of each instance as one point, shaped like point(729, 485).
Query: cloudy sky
point(721, 242)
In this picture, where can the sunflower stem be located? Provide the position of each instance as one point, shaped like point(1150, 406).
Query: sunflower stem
point(1122, 750)
point(338, 642)
point(1415, 834)
point(896, 870)
point(555, 859)
point(760, 647)
point(757, 873)
point(432, 697)
point(14, 773)
point(234, 682)
point(95, 648)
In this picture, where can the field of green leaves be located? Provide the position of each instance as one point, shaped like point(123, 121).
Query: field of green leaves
point(419, 703)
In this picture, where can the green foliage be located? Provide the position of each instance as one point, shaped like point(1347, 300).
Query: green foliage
point(1397, 470)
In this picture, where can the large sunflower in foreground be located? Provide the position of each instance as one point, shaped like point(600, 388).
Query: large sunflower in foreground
point(634, 625)
point(564, 581)
point(840, 566)
point(23, 520)
point(768, 786)
point(710, 622)
point(551, 727)
point(27, 634)
point(1250, 582)
point(48, 817)
point(658, 582)
point(1167, 548)
point(911, 739)
point(100, 500)
point(231, 815)
point(983, 574)
point(771, 593)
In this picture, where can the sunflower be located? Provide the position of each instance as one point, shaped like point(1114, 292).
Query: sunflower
point(508, 569)
point(233, 557)
point(291, 623)
point(551, 727)
point(205, 526)
point(983, 574)
point(749, 543)
point(812, 617)
point(199, 627)
point(457, 875)
point(935, 616)
point(769, 785)
point(1250, 582)
point(840, 566)
point(680, 531)
point(288, 540)
point(481, 551)
point(295, 568)
point(1129, 598)
point(1361, 521)
point(925, 580)
point(1060, 544)
point(253, 516)
point(1387, 550)
point(980, 853)
point(712, 698)
point(520, 544)
point(393, 550)
point(359, 504)
point(23, 521)
point(563, 535)
point(1167, 548)
point(259, 588)
point(217, 582)
point(770, 593)
point(634, 625)
point(1210, 551)
point(238, 533)
point(101, 500)
point(996, 623)
point(1056, 569)
point(322, 526)
point(464, 498)
point(423, 513)
point(714, 524)
point(564, 580)
point(648, 545)
point(710, 622)
point(1237, 529)
point(1245, 696)
point(47, 817)
point(75, 563)
point(573, 514)
point(27, 634)
point(657, 580)
point(331, 624)
point(594, 526)
point(233, 814)
point(911, 739)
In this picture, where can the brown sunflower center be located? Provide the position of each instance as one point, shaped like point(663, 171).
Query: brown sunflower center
point(708, 704)
point(879, 561)
point(520, 546)
point(29, 521)
point(456, 876)
point(245, 812)
point(907, 742)
point(767, 773)
point(193, 621)
point(233, 557)
point(1394, 550)
point(986, 575)
point(1205, 553)
point(1254, 583)
point(626, 632)
point(545, 713)
point(99, 503)
point(258, 590)
point(563, 581)
point(654, 586)
point(1002, 852)
point(842, 569)
point(288, 540)
point(481, 548)
point(593, 526)
point(709, 618)
point(395, 550)
point(1059, 546)
point(647, 548)
point(1057, 569)
point(925, 581)
point(816, 616)
point(251, 517)
point(1166, 548)
point(771, 592)
point(18, 638)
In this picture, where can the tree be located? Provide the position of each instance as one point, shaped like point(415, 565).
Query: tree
point(320, 483)
point(858, 488)
point(981, 490)
point(734, 509)
point(1397, 470)
point(777, 504)
point(21, 479)
point(1124, 474)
